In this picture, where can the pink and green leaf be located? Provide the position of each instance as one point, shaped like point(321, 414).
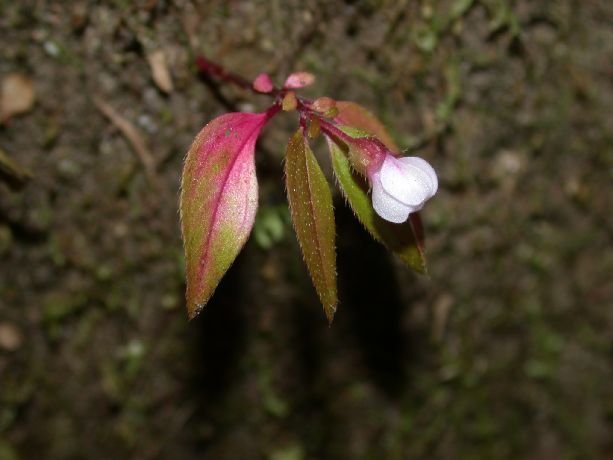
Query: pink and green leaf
point(312, 214)
point(219, 197)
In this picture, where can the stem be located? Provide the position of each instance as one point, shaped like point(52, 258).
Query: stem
point(331, 130)
point(272, 111)
point(211, 68)
point(373, 149)
point(370, 145)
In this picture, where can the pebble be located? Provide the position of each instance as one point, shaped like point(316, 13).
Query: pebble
point(11, 338)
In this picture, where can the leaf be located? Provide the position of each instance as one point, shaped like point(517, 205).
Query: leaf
point(398, 238)
point(219, 197)
point(326, 106)
point(312, 214)
point(352, 114)
point(299, 80)
point(289, 102)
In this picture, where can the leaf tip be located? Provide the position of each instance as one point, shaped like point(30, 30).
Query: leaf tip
point(194, 310)
point(421, 268)
point(330, 310)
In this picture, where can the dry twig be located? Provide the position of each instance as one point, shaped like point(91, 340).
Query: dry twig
point(133, 136)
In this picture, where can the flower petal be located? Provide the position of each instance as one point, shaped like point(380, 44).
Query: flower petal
point(425, 168)
point(405, 182)
point(386, 205)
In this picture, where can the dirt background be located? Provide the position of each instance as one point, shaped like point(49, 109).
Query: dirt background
point(504, 352)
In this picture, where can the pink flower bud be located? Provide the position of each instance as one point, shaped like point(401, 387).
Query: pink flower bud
point(263, 83)
point(401, 186)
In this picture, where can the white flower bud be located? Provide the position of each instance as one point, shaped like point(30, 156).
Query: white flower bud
point(402, 186)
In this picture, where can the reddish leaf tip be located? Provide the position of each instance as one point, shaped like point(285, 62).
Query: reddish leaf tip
point(299, 80)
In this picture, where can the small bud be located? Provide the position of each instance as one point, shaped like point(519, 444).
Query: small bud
point(323, 104)
point(314, 128)
point(289, 102)
point(333, 112)
point(263, 83)
point(326, 106)
point(299, 80)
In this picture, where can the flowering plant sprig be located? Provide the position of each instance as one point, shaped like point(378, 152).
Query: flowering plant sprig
point(219, 189)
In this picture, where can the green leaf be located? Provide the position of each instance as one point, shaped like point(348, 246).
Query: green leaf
point(398, 238)
point(312, 214)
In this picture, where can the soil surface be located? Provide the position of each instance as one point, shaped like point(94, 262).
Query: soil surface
point(503, 352)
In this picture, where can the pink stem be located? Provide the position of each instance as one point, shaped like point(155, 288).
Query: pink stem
point(331, 130)
point(370, 145)
point(211, 68)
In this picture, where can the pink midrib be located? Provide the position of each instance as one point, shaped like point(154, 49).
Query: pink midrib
point(207, 243)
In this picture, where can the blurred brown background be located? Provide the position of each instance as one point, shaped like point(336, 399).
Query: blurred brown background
point(505, 352)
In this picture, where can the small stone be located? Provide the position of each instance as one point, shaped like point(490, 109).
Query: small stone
point(17, 96)
point(11, 338)
point(51, 48)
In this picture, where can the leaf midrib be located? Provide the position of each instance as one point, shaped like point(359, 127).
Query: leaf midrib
point(207, 243)
point(312, 214)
